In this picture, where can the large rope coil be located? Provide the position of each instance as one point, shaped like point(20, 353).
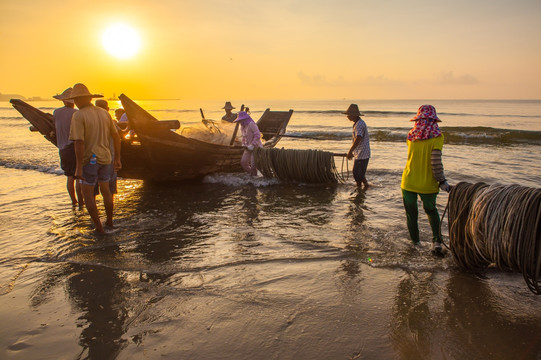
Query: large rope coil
point(497, 224)
point(291, 165)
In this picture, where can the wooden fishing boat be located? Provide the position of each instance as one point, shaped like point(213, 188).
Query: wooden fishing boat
point(160, 154)
point(163, 155)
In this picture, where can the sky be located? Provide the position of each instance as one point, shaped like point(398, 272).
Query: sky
point(279, 49)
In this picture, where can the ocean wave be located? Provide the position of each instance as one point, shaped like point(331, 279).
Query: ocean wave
point(452, 135)
point(14, 122)
point(379, 113)
point(11, 117)
point(388, 113)
point(10, 164)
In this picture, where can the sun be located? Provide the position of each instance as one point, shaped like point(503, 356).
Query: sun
point(121, 40)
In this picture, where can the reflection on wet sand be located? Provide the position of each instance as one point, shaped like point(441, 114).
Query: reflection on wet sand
point(460, 319)
point(413, 325)
point(100, 294)
point(483, 329)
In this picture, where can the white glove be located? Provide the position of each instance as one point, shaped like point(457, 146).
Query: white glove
point(445, 186)
point(250, 148)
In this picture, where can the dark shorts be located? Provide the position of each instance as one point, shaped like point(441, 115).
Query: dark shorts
point(68, 162)
point(95, 173)
point(112, 185)
point(359, 169)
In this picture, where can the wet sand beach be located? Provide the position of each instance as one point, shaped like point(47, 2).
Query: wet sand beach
point(213, 272)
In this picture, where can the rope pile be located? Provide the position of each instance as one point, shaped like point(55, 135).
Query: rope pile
point(308, 166)
point(497, 224)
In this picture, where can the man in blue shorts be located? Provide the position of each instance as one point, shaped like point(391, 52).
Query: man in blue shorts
point(113, 181)
point(92, 130)
point(360, 149)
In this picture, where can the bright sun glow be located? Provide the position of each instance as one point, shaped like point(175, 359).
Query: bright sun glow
point(121, 41)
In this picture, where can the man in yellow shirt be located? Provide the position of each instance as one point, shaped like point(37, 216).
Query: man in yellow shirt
point(92, 130)
point(424, 174)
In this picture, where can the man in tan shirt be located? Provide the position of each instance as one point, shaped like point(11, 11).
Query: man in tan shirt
point(92, 129)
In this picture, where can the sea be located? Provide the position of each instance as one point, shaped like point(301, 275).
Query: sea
point(235, 267)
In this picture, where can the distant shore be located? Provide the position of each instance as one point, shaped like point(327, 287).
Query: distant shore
point(7, 97)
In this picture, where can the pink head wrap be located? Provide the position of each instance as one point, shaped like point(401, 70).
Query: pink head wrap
point(426, 124)
point(427, 112)
point(242, 115)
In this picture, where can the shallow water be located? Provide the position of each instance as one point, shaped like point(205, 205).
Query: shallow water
point(234, 267)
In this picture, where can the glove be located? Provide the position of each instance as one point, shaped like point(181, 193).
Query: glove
point(445, 186)
point(250, 148)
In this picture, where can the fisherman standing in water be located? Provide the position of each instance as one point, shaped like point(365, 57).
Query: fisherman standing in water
point(229, 116)
point(92, 130)
point(360, 149)
point(62, 123)
point(423, 174)
point(251, 138)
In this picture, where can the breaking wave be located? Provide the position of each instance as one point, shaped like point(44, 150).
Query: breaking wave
point(453, 135)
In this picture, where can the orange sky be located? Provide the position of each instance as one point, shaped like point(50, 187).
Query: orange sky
point(280, 49)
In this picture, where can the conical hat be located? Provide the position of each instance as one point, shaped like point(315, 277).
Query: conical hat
point(80, 90)
point(64, 96)
point(228, 106)
point(353, 110)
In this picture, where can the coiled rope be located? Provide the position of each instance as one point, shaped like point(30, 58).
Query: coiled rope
point(497, 224)
point(291, 165)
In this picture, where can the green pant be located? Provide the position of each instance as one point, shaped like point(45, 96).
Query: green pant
point(412, 214)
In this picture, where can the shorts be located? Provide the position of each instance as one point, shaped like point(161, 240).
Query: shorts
point(94, 173)
point(359, 169)
point(68, 161)
point(112, 185)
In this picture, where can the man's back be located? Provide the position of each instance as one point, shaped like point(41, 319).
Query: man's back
point(93, 125)
point(62, 122)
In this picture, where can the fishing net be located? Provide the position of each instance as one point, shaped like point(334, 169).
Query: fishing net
point(215, 132)
point(291, 165)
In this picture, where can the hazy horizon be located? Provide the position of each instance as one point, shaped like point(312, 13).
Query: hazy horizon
point(50, 98)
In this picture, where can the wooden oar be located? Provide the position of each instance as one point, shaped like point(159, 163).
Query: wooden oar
point(236, 129)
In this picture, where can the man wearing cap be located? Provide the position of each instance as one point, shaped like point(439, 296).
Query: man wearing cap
point(229, 116)
point(360, 149)
point(92, 129)
point(66, 150)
